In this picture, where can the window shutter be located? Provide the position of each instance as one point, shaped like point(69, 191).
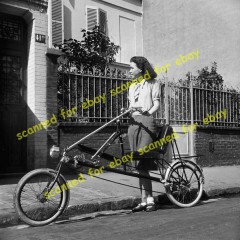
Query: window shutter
point(57, 22)
point(103, 21)
point(91, 18)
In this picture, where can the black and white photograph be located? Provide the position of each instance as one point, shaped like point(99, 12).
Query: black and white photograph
point(120, 119)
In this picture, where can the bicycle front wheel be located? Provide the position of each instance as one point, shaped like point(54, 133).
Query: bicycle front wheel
point(34, 203)
point(184, 185)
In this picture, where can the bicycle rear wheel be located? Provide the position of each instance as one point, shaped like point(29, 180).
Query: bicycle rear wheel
point(33, 202)
point(184, 185)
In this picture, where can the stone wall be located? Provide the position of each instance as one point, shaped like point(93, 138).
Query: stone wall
point(218, 146)
point(37, 87)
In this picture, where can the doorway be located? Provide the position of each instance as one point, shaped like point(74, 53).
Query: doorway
point(13, 107)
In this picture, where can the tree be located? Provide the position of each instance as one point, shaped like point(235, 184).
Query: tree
point(208, 79)
point(94, 50)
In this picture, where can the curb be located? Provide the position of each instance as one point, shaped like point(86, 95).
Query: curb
point(10, 219)
point(212, 193)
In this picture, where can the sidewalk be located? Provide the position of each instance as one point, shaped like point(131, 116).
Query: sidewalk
point(98, 195)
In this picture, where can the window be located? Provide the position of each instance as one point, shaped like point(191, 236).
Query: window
point(55, 22)
point(96, 16)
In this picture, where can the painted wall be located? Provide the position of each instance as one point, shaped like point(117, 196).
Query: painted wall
point(124, 23)
point(171, 28)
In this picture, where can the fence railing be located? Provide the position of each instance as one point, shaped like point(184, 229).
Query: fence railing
point(210, 106)
point(93, 95)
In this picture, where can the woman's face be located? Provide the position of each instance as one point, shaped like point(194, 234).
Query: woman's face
point(135, 71)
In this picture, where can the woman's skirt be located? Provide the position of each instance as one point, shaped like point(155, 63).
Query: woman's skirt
point(141, 132)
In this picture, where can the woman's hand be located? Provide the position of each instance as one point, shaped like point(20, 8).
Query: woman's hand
point(146, 113)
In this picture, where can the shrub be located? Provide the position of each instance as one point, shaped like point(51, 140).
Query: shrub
point(94, 50)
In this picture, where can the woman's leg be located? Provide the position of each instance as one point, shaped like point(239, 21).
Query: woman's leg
point(146, 191)
point(145, 185)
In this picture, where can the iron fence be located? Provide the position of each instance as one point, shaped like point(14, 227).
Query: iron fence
point(190, 101)
point(92, 94)
point(181, 102)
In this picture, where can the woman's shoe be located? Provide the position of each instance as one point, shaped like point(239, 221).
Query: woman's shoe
point(151, 208)
point(140, 207)
point(150, 205)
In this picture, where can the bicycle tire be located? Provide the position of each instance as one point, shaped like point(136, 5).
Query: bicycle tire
point(47, 209)
point(179, 185)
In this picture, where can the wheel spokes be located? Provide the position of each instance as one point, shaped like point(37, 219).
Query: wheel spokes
point(184, 184)
point(31, 199)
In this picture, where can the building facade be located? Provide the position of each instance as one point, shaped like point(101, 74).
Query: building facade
point(121, 21)
point(28, 64)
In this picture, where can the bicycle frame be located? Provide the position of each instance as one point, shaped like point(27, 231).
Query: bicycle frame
point(108, 157)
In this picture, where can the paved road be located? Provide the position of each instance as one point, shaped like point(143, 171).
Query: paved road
point(213, 219)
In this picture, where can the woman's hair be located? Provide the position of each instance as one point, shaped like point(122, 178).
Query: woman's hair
point(143, 64)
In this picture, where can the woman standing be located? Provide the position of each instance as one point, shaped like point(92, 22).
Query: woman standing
point(142, 129)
